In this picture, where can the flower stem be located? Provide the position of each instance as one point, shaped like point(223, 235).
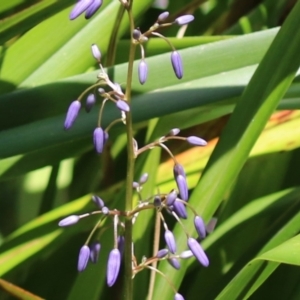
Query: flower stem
point(128, 293)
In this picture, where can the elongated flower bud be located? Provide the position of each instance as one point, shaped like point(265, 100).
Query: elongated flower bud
point(174, 262)
point(184, 20)
point(174, 131)
point(83, 258)
point(144, 178)
point(143, 71)
point(196, 141)
point(93, 8)
point(186, 254)
point(99, 139)
point(122, 105)
point(182, 187)
point(98, 201)
point(178, 170)
point(68, 221)
point(162, 253)
point(198, 252)
point(72, 114)
point(170, 241)
point(171, 197)
point(113, 266)
point(163, 16)
point(121, 243)
point(96, 54)
point(177, 64)
point(90, 102)
point(200, 227)
point(79, 8)
point(95, 250)
point(180, 209)
point(178, 297)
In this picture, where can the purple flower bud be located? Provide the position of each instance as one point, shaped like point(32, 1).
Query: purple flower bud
point(113, 266)
point(121, 243)
point(211, 225)
point(177, 64)
point(196, 141)
point(184, 19)
point(162, 253)
point(72, 114)
point(98, 201)
point(178, 297)
point(135, 185)
point(182, 187)
point(136, 34)
point(99, 139)
point(83, 258)
point(198, 252)
point(96, 53)
point(143, 178)
point(79, 8)
point(163, 16)
point(143, 71)
point(93, 8)
point(101, 91)
point(174, 131)
point(90, 102)
point(171, 197)
point(170, 241)
point(122, 105)
point(174, 262)
point(186, 254)
point(200, 227)
point(68, 221)
point(180, 209)
point(105, 210)
point(157, 201)
point(95, 250)
point(178, 170)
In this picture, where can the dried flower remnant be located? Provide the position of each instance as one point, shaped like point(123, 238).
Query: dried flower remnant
point(113, 266)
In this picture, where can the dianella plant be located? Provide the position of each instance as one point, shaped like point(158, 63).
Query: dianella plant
point(149, 149)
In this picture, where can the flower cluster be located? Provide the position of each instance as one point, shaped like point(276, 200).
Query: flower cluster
point(174, 202)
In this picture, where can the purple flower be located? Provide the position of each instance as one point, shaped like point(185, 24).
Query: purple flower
point(178, 297)
point(196, 141)
point(96, 54)
point(174, 131)
point(93, 8)
point(162, 253)
point(211, 225)
point(174, 262)
point(95, 250)
point(171, 197)
point(163, 16)
point(142, 71)
point(186, 254)
point(72, 114)
point(99, 139)
point(177, 64)
point(68, 221)
point(182, 187)
point(79, 8)
point(180, 209)
point(122, 105)
point(90, 102)
point(143, 178)
point(198, 252)
point(184, 19)
point(98, 201)
point(200, 227)
point(83, 258)
point(113, 266)
point(170, 241)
